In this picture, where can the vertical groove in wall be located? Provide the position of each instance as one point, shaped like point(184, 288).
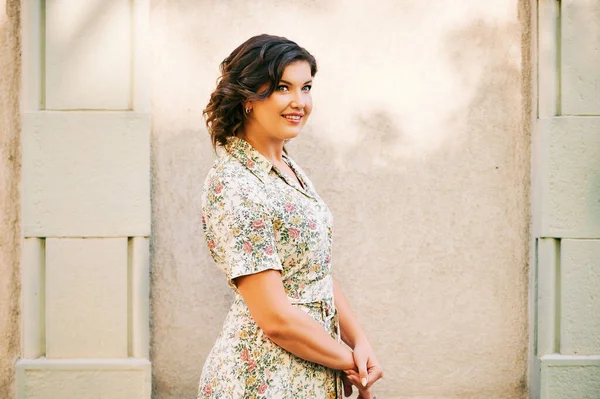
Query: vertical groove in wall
point(535, 295)
point(42, 297)
point(129, 296)
point(533, 375)
point(537, 51)
point(131, 55)
point(42, 61)
point(548, 58)
point(557, 298)
point(558, 58)
point(537, 62)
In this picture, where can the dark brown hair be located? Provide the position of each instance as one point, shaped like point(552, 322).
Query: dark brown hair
point(259, 60)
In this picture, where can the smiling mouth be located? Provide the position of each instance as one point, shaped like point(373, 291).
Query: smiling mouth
point(292, 117)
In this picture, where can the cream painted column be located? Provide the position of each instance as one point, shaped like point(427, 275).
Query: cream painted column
point(566, 205)
point(85, 200)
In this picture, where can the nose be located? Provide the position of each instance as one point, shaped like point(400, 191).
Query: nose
point(298, 101)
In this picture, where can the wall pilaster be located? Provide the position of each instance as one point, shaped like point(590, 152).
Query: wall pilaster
point(85, 200)
point(566, 206)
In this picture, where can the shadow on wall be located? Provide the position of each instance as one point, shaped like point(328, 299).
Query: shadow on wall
point(431, 249)
point(189, 294)
point(441, 241)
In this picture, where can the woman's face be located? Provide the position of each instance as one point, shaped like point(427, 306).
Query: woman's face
point(283, 114)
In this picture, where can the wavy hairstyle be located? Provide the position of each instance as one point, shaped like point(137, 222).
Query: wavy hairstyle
point(259, 60)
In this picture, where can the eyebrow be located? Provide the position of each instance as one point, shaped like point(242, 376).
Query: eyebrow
point(291, 84)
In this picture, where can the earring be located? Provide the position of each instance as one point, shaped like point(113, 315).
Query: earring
point(248, 110)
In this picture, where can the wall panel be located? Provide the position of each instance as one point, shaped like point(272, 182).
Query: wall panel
point(88, 51)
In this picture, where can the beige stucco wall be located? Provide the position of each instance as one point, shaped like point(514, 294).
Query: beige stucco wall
point(419, 143)
point(10, 166)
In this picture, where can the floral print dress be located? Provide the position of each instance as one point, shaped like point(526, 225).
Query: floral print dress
point(255, 218)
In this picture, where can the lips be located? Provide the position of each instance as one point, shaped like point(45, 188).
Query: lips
point(293, 118)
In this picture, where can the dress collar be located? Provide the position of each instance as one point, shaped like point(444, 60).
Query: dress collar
point(249, 157)
point(260, 166)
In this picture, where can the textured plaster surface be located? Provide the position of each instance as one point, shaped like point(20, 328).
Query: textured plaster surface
point(32, 292)
point(418, 142)
point(97, 160)
point(548, 261)
point(580, 57)
point(580, 297)
point(570, 177)
point(47, 384)
point(566, 381)
point(86, 297)
point(83, 379)
point(78, 77)
point(10, 169)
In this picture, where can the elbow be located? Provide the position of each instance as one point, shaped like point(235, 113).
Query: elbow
point(277, 327)
point(273, 331)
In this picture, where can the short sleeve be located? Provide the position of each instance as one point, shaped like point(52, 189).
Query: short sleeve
point(241, 237)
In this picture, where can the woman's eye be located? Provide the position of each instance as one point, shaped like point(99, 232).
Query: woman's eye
point(282, 88)
point(307, 88)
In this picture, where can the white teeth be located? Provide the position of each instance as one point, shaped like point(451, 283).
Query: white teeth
point(293, 117)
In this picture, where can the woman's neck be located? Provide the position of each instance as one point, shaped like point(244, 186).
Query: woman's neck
point(270, 149)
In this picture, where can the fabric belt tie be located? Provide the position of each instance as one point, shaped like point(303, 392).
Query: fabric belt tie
point(325, 306)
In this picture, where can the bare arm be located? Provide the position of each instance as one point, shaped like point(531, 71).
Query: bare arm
point(288, 326)
point(351, 332)
point(367, 369)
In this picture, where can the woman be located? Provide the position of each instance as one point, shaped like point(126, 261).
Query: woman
point(270, 233)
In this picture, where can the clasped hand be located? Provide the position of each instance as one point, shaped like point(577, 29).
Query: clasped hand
point(366, 372)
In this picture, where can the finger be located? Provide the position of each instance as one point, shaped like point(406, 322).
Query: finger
point(361, 364)
point(375, 373)
point(351, 372)
point(379, 373)
point(357, 383)
point(354, 380)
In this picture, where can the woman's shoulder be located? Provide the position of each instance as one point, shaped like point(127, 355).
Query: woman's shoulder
point(227, 169)
point(228, 179)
